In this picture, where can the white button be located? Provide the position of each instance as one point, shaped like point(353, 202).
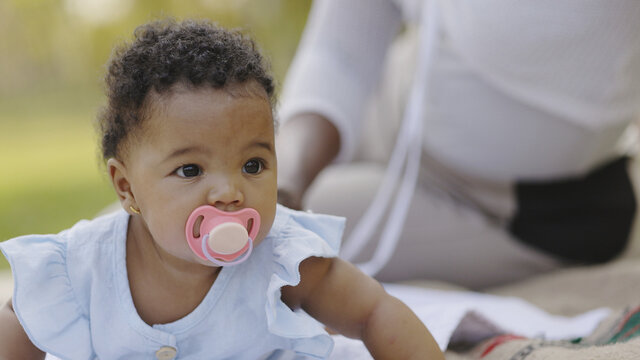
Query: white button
point(166, 353)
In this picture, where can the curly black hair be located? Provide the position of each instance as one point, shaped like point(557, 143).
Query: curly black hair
point(164, 53)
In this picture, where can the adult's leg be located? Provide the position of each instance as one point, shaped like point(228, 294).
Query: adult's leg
point(444, 237)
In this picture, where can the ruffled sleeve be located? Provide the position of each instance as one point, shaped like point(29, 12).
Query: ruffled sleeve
point(302, 235)
point(43, 298)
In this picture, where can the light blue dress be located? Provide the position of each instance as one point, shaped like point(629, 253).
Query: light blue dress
point(73, 299)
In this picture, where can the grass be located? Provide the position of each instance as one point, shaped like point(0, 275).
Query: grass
point(51, 175)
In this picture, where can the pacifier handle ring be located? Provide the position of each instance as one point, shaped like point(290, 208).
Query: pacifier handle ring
point(205, 251)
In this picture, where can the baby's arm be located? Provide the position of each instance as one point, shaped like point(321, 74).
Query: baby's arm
point(339, 295)
point(14, 343)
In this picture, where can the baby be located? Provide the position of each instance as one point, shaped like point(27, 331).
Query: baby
point(202, 263)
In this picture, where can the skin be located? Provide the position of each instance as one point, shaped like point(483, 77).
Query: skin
point(306, 144)
point(184, 157)
point(14, 343)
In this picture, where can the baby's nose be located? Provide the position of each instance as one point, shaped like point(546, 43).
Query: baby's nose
point(226, 196)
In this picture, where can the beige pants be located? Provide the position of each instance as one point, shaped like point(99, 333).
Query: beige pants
point(456, 227)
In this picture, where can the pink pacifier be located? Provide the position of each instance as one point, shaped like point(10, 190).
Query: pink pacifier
point(222, 237)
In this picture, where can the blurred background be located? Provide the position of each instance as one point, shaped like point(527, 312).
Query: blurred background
point(52, 59)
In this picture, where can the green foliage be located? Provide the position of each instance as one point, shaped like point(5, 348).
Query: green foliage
point(67, 42)
point(51, 174)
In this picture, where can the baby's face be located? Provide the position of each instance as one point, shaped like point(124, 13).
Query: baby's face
point(198, 147)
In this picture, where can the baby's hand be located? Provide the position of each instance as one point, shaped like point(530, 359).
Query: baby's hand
point(339, 295)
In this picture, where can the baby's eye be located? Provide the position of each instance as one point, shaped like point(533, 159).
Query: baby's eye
point(189, 170)
point(253, 166)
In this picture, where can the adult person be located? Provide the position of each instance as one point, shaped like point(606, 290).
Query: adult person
point(527, 110)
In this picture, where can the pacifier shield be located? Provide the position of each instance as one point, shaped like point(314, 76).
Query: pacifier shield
point(224, 238)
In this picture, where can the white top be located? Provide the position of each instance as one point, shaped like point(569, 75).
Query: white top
point(527, 89)
point(72, 296)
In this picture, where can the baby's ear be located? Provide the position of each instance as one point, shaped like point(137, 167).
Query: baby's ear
point(118, 175)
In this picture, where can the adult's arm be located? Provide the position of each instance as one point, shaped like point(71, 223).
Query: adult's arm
point(337, 65)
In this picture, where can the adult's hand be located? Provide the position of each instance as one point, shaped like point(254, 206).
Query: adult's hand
point(305, 145)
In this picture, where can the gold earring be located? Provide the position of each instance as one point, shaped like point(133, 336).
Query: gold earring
point(134, 209)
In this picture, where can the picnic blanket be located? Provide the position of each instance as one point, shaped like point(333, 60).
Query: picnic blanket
point(462, 319)
point(590, 312)
point(569, 292)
